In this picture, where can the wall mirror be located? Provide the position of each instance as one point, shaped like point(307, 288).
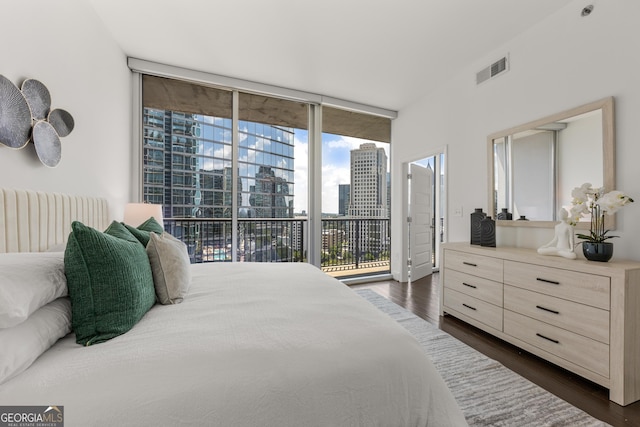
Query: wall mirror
point(534, 167)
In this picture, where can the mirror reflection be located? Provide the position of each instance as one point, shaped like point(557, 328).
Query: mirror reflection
point(535, 166)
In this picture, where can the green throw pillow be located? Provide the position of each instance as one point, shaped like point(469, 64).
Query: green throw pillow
point(141, 235)
point(110, 282)
point(151, 225)
point(142, 231)
point(121, 231)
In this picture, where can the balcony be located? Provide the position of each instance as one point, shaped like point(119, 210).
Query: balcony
point(350, 246)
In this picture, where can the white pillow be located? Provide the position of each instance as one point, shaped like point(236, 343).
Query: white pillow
point(28, 281)
point(170, 266)
point(22, 344)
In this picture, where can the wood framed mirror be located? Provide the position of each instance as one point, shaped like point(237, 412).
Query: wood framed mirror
point(534, 167)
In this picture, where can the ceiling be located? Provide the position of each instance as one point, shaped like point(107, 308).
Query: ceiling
point(383, 53)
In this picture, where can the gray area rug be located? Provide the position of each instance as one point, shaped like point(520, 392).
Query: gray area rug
point(488, 393)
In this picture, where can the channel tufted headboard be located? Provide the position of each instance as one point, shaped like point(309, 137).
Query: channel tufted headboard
point(32, 221)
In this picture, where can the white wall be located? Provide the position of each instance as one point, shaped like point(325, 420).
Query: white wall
point(65, 46)
point(562, 62)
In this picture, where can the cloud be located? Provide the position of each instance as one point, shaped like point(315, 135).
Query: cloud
point(211, 164)
point(332, 177)
point(341, 142)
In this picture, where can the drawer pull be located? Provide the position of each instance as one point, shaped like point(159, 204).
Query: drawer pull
point(468, 306)
point(547, 309)
point(548, 339)
point(471, 286)
point(469, 263)
point(553, 282)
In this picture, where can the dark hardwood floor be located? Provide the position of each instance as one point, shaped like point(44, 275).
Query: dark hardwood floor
point(423, 299)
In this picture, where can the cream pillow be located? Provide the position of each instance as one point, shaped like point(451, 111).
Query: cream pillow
point(170, 267)
point(24, 343)
point(29, 280)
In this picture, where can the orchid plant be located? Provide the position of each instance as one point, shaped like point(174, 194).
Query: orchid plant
point(594, 201)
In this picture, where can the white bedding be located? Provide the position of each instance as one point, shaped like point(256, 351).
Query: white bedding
point(251, 345)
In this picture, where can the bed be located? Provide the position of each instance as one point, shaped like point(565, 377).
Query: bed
point(277, 344)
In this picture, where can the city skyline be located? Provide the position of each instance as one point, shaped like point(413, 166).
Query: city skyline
point(215, 158)
point(336, 167)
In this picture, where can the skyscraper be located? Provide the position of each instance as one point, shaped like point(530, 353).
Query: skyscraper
point(369, 201)
point(344, 196)
point(188, 166)
point(368, 182)
point(188, 169)
point(268, 196)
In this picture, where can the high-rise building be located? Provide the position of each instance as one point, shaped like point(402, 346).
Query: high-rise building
point(368, 182)
point(268, 197)
point(188, 169)
point(369, 201)
point(299, 236)
point(388, 194)
point(266, 168)
point(188, 166)
point(344, 195)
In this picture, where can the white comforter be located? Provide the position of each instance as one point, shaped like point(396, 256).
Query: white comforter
point(251, 345)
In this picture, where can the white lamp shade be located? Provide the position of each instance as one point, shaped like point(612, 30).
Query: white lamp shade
point(137, 213)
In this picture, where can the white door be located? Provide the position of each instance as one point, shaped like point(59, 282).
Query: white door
point(420, 212)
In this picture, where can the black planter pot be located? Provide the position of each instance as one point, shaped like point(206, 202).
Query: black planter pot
point(597, 251)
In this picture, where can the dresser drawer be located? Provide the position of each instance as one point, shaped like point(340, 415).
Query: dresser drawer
point(582, 351)
point(571, 285)
point(481, 311)
point(477, 287)
point(582, 319)
point(477, 265)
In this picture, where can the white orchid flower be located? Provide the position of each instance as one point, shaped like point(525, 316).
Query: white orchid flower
point(594, 202)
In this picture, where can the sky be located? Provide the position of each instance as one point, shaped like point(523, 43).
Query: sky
point(336, 168)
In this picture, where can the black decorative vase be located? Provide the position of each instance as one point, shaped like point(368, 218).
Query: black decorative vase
point(597, 251)
point(476, 217)
point(505, 215)
point(488, 232)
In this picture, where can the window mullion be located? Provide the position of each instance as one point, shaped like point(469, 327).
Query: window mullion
point(235, 142)
point(315, 185)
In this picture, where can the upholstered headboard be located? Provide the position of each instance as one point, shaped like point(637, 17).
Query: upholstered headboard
point(33, 221)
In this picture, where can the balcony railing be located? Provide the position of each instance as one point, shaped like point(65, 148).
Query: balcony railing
point(349, 245)
point(355, 246)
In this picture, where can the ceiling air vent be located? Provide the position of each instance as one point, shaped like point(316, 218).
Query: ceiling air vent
point(493, 70)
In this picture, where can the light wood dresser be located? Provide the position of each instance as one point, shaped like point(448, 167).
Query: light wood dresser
point(581, 315)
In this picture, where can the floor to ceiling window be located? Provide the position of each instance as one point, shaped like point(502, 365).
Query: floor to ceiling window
point(232, 170)
point(355, 206)
point(187, 163)
point(272, 135)
point(356, 193)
